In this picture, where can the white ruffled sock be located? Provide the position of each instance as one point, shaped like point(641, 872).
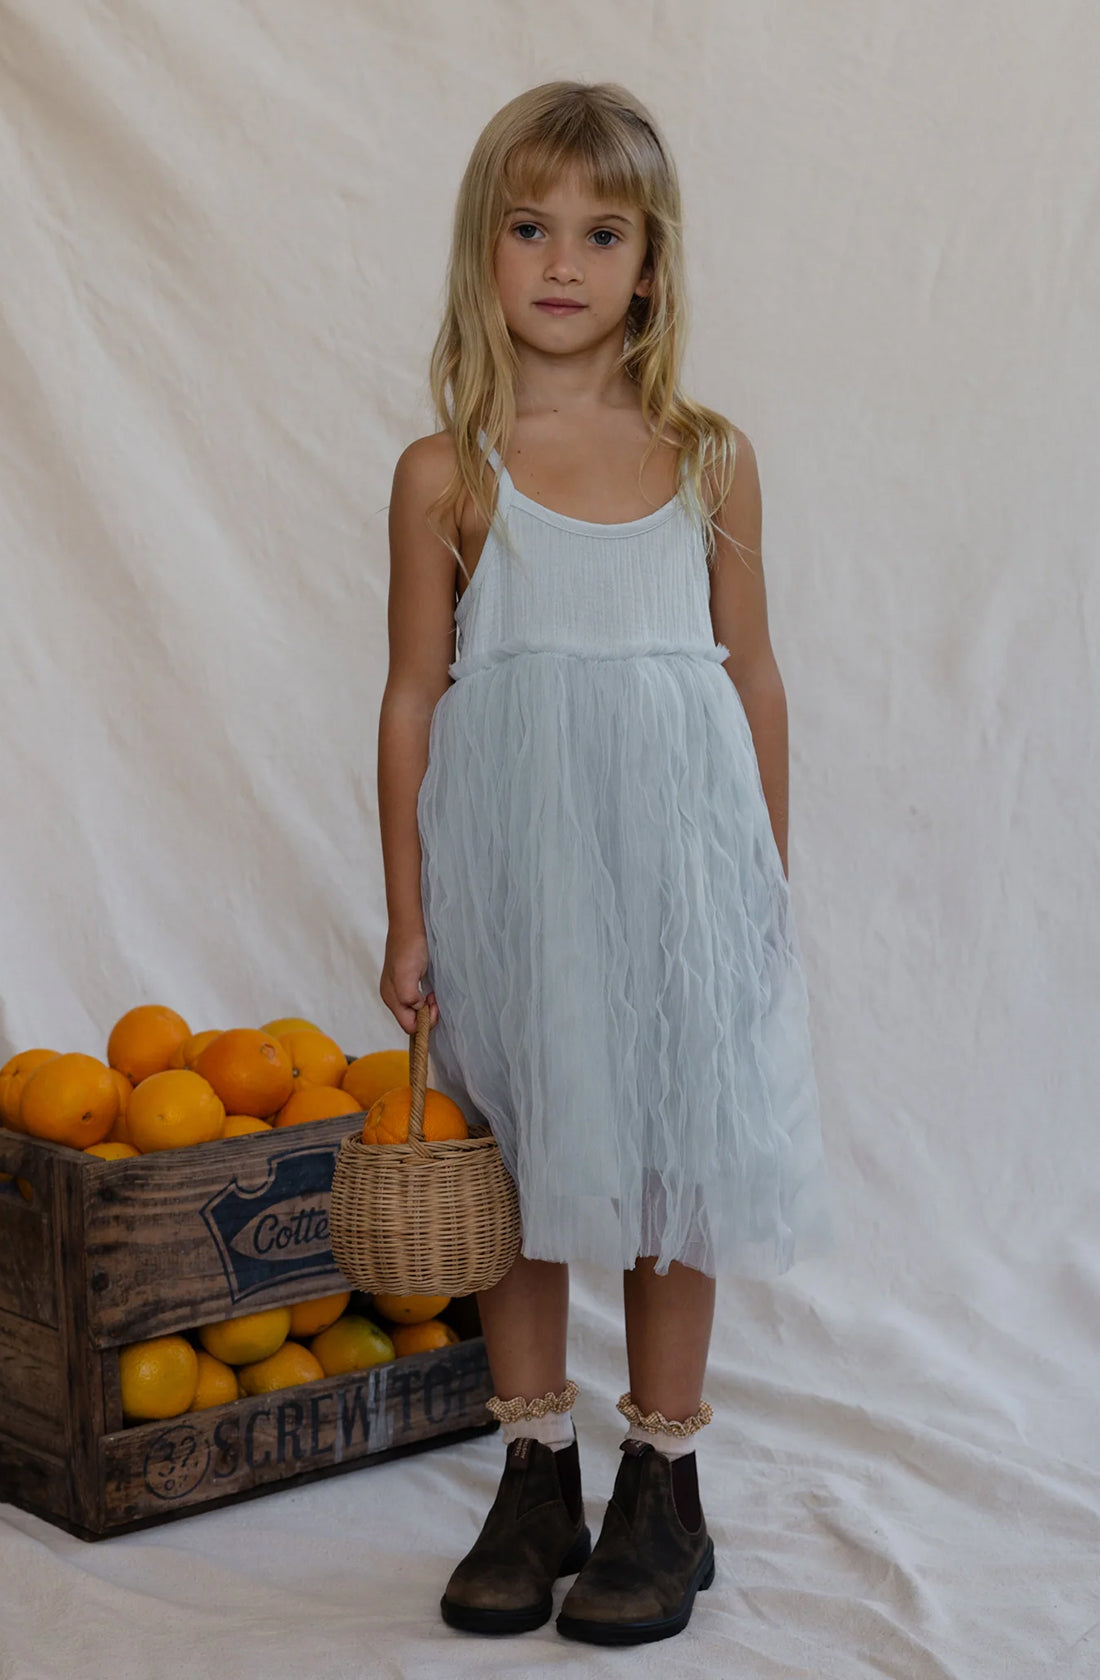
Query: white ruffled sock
point(547, 1417)
point(673, 1446)
point(673, 1439)
point(555, 1430)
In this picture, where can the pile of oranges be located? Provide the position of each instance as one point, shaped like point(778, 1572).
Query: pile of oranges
point(279, 1347)
point(161, 1086)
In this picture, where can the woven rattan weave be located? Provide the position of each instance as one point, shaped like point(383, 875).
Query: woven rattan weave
point(423, 1218)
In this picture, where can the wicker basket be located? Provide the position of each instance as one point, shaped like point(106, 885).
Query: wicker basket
point(423, 1218)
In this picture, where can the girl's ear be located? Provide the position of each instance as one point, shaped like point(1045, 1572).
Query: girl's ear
point(644, 284)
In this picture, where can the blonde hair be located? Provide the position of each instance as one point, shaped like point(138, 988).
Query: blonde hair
point(602, 130)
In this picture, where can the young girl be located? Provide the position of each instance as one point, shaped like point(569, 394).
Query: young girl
point(584, 823)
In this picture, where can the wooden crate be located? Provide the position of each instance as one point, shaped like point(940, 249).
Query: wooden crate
point(110, 1252)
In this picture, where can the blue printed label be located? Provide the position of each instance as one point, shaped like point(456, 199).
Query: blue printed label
point(280, 1230)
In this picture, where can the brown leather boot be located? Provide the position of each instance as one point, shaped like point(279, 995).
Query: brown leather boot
point(534, 1532)
point(653, 1555)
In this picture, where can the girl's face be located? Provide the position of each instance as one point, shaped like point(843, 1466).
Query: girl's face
point(575, 248)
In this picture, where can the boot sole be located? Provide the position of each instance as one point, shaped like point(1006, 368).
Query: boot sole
point(472, 1619)
point(640, 1633)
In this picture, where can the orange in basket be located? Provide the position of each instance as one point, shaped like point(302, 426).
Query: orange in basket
point(388, 1119)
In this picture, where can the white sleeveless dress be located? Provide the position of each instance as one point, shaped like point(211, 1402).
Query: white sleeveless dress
point(619, 983)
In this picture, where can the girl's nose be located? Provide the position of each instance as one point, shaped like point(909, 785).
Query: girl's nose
point(561, 265)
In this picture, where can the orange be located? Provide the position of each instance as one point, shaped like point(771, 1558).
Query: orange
point(368, 1076)
point(289, 1024)
point(308, 1318)
point(351, 1344)
point(241, 1341)
point(239, 1125)
point(217, 1383)
point(410, 1309)
point(388, 1119)
point(316, 1058)
point(251, 1071)
point(423, 1338)
point(288, 1365)
point(144, 1040)
point(188, 1051)
point(174, 1108)
point(112, 1151)
point(13, 1076)
point(158, 1377)
point(70, 1099)
point(315, 1102)
point(120, 1131)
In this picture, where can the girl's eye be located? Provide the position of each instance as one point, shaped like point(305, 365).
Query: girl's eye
point(520, 226)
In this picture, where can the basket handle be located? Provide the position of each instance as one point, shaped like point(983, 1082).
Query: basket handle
point(418, 1076)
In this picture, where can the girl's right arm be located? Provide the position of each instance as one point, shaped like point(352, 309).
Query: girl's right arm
point(421, 646)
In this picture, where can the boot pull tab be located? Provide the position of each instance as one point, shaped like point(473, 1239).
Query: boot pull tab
point(521, 1449)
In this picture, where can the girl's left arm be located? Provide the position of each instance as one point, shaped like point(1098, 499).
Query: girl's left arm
point(739, 613)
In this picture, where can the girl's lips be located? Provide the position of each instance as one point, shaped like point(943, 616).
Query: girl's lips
point(560, 308)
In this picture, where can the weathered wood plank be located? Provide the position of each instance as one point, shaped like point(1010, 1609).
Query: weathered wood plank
point(36, 1481)
point(112, 1391)
point(33, 1404)
point(81, 1362)
point(295, 1479)
point(26, 1156)
point(182, 1237)
point(28, 1281)
point(157, 1469)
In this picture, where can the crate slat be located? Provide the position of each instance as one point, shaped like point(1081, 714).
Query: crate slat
point(36, 1481)
point(241, 1229)
point(28, 1281)
point(33, 1401)
point(153, 1469)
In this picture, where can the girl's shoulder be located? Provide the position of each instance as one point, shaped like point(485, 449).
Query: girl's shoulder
point(728, 460)
point(428, 460)
point(428, 468)
point(436, 454)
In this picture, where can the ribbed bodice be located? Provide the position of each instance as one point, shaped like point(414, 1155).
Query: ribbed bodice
point(580, 585)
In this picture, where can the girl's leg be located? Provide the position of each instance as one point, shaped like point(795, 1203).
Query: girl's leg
point(668, 1326)
point(525, 1321)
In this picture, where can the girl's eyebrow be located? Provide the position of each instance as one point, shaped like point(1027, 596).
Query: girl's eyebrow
point(601, 216)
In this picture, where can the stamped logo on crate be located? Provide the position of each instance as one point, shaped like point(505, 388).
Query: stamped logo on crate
point(176, 1462)
point(279, 1230)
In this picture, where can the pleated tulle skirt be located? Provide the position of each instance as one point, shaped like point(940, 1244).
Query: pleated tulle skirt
point(620, 990)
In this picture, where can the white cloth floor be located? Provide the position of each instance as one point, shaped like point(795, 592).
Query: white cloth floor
point(892, 1492)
